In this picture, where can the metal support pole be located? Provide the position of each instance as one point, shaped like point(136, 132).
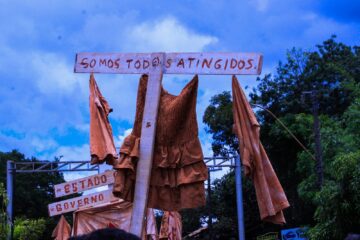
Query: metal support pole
point(239, 199)
point(209, 206)
point(10, 195)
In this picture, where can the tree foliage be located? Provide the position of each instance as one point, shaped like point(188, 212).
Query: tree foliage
point(333, 70)
point(32, 191)
point(3, 204)
point(26, 229)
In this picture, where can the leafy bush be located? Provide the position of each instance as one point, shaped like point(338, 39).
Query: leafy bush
point(3, 203)
point(29, 229)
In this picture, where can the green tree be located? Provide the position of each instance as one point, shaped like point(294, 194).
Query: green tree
point(3, 204)
point(334, 71)
point(32, 192)
point(26, 229)
point(337, 203)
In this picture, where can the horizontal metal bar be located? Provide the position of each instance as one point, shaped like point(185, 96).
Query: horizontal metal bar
point(54, 170)
point(210, 158)
point(47, 166)
point(217, 166)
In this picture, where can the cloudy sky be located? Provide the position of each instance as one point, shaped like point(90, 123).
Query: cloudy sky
point(44, 106)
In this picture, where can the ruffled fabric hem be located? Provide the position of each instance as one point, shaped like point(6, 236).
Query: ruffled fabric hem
point(163, 173)
point(173, 185)
point(175, 177)
point(171, 156)
point(162, 197)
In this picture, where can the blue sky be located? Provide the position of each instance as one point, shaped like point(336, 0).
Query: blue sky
point(44, 106)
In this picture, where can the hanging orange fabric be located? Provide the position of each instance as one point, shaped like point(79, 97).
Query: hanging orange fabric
point(269, 192)
point(62, 230)
point(116, 214)
point(102, 147)
point(171, 226)
point(178, 170)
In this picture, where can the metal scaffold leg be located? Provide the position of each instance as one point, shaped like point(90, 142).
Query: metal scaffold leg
point(239, 199)
point(10, 171)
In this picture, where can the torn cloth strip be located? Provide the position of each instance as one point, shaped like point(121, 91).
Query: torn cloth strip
point(178, 170)
point(62, 230)
point(102, 147)
point(171, 226)
point(269, 192)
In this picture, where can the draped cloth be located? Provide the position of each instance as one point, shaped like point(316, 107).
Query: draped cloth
point(171, 226)
point(62, 230)
point(178, 170)
point(115, 215)
point(269, 192)
point(102, 147)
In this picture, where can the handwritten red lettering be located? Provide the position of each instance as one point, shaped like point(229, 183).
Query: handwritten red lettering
point(58, 207)
point(90, 183)
point(86, 201)
point(84, 63)
point(168, 63)
point(117, 63)
point(217, 64)
point(96, 180)
point(233, 63)
point(74, 187)
point(102, 62)
point(72, 204)
point(82, 184)
point(241, 64)
point(190, 61)
point(250, 62)
point(110, 63)
point(80, 204)
point(226, 63)
point(67, 188)
point(129, 61)
point(66, 205)
point(93, 199)
point(137, 64)
point(181, 63)
point(103, 178)
point(92, 63)
point(101, 197)
point(146, 64)
point(206, 62)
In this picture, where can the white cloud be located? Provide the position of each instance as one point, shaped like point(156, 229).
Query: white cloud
point(167, 35)
point(41, 144)
point(120, 138)
point(260, 5)
point(72, 153)
point(320, 28)
point(55, 74)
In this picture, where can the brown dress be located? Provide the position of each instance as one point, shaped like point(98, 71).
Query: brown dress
point(102, 147)
point(270, 195)
point(178, 170)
